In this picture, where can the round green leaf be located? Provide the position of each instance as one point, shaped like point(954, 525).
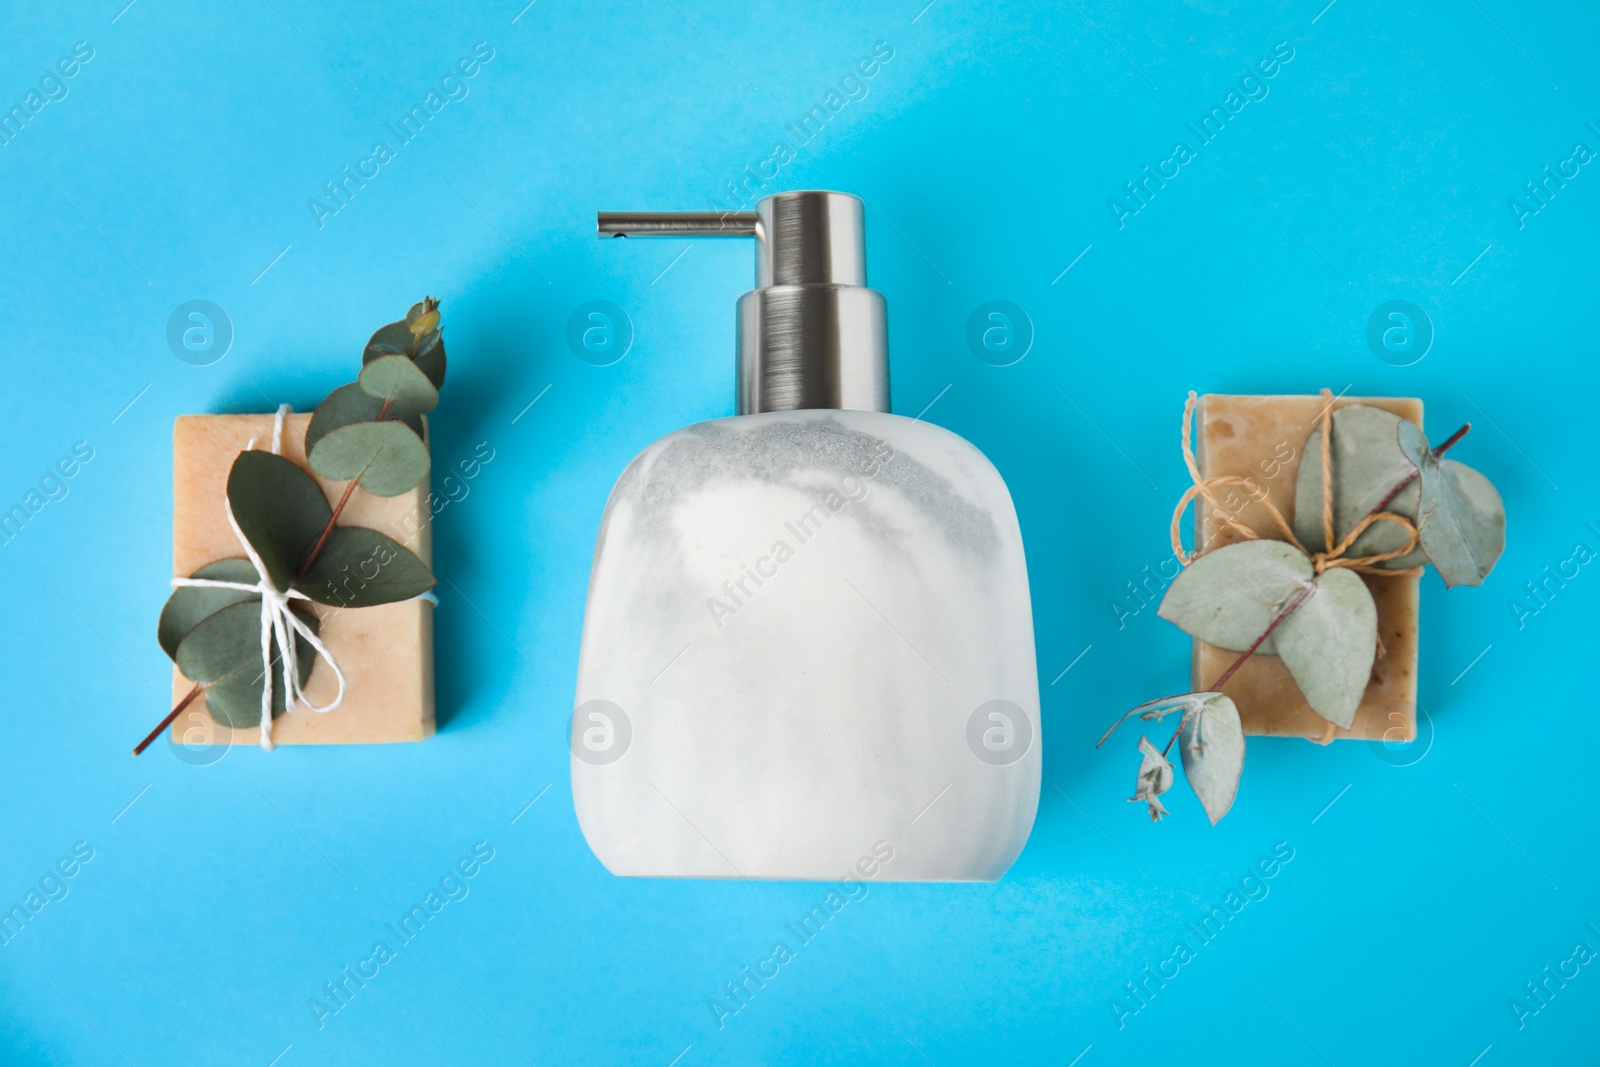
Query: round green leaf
point(188, 605)
point(1328, 644)
point(359, 567)
point(1211, 740)
point(1368, 463)
point(280, 508)
point(1467, 504)
point(429, 358)
point(1229, 595)
point(1462, 520)
point(348, 404)
point(223, 653)
point(388, 339)
point(398, 380)
point(396, 338)
point(387, 456)
point(223, 645)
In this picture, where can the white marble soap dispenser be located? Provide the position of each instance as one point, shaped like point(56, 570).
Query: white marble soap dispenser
point(808, 646)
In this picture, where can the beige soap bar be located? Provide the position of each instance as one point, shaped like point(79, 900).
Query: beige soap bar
point(1263, 438)
point(386, 652)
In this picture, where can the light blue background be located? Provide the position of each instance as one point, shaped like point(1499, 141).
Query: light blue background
point(1379, 167)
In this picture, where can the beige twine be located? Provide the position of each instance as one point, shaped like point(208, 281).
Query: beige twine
point(1321, 561)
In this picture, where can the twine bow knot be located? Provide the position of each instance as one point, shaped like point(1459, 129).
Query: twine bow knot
point(279, 623)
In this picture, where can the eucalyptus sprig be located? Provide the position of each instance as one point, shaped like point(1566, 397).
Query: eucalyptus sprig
point(1394, 503)
point(370, 434)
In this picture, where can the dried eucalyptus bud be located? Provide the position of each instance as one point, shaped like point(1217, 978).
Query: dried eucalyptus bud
point(423, 317)
point(1155, 778)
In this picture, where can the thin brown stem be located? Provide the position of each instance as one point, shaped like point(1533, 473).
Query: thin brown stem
point(1145, 707)
point(1182, 719)
point(333, 520)
point(1449, 442)
point(1391, 494)
point(173, 714)
point(1283, 613)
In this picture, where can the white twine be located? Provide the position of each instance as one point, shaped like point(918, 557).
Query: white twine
point(278, 622)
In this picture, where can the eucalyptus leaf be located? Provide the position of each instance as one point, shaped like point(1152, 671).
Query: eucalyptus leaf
point(1462, 520)
point(348, 404)
point(1155, 778)
point(387, 456)
point(1228, 596)
point(188, 605)
point(1211, 741)
point(429, 359)
point(358, 568)
point(280, 508)
point(1328, 643)
point(223, 653)
point(427, 351)
point(1367, 463)
point(388, 339)
point(398, 380)
point(1465, 502)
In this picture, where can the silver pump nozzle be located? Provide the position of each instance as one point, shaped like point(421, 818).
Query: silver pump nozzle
point(810, 334)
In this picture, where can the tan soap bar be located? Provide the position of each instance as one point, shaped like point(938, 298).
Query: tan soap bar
point(386, 651)
point(1263, 438)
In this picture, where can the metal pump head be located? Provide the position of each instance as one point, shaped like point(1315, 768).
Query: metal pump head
point(810, 334)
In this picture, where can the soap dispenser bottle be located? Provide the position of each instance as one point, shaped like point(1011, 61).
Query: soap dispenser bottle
point(808, 646)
